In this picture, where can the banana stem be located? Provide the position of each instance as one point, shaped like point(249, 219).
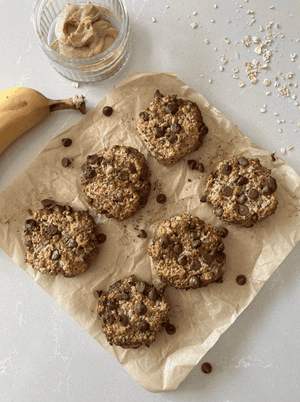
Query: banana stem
point(76, 103)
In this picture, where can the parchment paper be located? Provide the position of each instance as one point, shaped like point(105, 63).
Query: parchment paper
point(201, 315)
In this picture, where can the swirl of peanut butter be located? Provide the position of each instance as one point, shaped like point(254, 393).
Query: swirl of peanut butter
point(83, 31)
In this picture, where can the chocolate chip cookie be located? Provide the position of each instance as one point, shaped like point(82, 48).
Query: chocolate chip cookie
point(187, 252)
point(171, 128)
point(241, 191)
point(116, 181)
point(60, 240)
point(132, 313)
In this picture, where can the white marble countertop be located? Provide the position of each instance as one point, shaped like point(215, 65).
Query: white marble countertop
point(44, 354)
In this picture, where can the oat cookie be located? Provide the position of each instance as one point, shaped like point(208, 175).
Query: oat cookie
point(116, 182)
point(60, 240)
point(132, 313)
point(187, 252)
point(171, 128)
point(241, 191)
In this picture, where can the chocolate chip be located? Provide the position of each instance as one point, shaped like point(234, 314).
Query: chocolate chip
point(273, 157)
point(153, 294)
point(68, 208)
point(123, 176)
point(71, 243)
point(124, 320)
point(163, 242)
point(241, 280)
point(243, 161)
point(170, 329)
point(226, 169)
point(55, 255)
point(243, 210)
point(218, 211)
point(144, 115)
point(97, 294)
point(177, 249)
point(110, 305)
point(47, 203)
point(142, 234)
point(101, 238)
point(207, 258)
point(266, 191)
point(107, 111)
point(194, 282)
point(241, 199)
point(173, 139)
point(271, 183)
point(140, 287)
point(159, 131)
point(227, 191)
point(66, 142)
point(192, 164)
point(121, 296)
point(158, 94)
point(140, 309)
point(200, 167)
point(206, 368)
point(161, 198)
point(220, 256)
point(118, 197)
point(28, 243)
point(192, 225)
point(89, 173)
point(65, 162)
point(59, 209)
point(142, 326)
point(171, 108)
point(195, 265)
point(160, 286)
point(196, 243)
point(30, 224)
point(182, 260)
point(242, 180)
point(52, 230)
point(83, 258)
point(195, 234)
point(203, 198)
point(223, 232)
point(219, 280)
point(92, 159)
point(252, 194)
point(175, 128)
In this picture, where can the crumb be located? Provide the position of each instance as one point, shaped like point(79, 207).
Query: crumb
point(241, 84)
point(75, 84)
point(267, 82)
point(153, 19)
point(206, 41)
point(194, 25)
point(282, 151)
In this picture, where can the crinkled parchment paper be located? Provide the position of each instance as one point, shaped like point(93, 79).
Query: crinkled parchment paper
point(201, 315)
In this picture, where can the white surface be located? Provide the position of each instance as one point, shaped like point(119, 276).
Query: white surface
point(44, 355)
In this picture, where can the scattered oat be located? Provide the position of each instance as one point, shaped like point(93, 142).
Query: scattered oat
point(282, 151)
point(293, 56)
point(255, 39)
point(153, 19)
point(296, 85)
point(235, 76)
point(294, 96)
point(241, 84)
point(262, 65)
point(258, 49)
point(250, 12)
point(290, 147)
point(268, 93)
point(276, 84)
point(252, 78)
point(206, 41)
point(296, 104)
point(262, 110)
point(261, 28)
point(194, 25)
point(227, 40)
point(210, 81)
point(235, 70)
point(224, 60)
point(221, 68)
point(75, 84)
point(267, 82)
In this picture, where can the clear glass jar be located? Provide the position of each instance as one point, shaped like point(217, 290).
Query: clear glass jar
point(96, 68)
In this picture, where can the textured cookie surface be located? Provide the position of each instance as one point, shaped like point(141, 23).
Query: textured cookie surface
point(241, 191)
point(116, 181)
point(171, 128)
point(187, 252)
point(132, 313)
point(60, 240)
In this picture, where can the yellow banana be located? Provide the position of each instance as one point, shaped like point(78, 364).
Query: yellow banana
point(22, 108)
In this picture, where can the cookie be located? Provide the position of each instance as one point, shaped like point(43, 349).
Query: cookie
point(241, 191)
point(132, 313)
point(116, 181)
point(171, 128)
point(187, 252)
point(60, 240)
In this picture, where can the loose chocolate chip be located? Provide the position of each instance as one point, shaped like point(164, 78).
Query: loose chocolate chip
point(200, 167)
point(28, 243)
point(140, 287)
point(203, 198)
point(30, 224)
point(161, 198)
point(207, 258)
point(175, 128)
point(123, 176)
point(171, 108)
point(241, 280)
point(241, 199)
point(206, 368)
point(121, 296)
point(47, 203)
point(196, 243)
point(83, 258)
point(66, 142)
point(159, 131)
point(65, 162)
point(223, 232)
point(89, 173)
point(243, 161)
point(124, 320)
point(273, 157)
point(144, 115)
point(182, 260)
point(243, 210)
point(158, 94)
point(218, 211)
point(140, 309)
point(220, 256)
point(92, 159)
point(71, 243)
point(173, 139)
point(163, 242)
point(195, 234)
point(142, 326)
point(242, 180)
point(192, 164)
point(177, 249)
point(226, 169)
point(52, 230)
point(101, 238)
point(107, 111)
point(271, 183)
point(97, 294)
point(153, 294)
point(194, 282)
point(142, 234)
point(252, 194)
point(55, 255)
point(227, 191)
point(195, 265)
point(170, 329)
point(110, 305)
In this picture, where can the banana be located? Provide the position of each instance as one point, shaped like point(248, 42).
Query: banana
point(22, 108)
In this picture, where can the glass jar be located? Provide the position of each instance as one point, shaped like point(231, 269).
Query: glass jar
point(96, 68)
